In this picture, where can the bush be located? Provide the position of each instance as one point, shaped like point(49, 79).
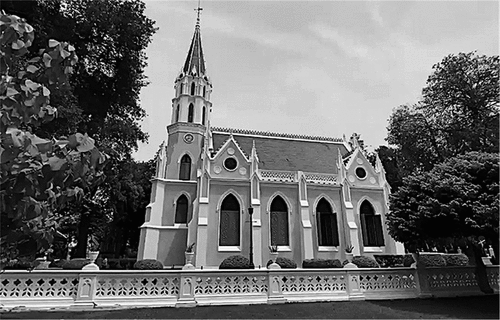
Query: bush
point(363, 262)
point(389, 260)
point(19, 265)
point(284, 263)
point(321, 263)
point(235, 262)
point(432, 260)
point(408, 260)
point(75, 264)
point(458, 259)
point(148, 264)
point(57, 263)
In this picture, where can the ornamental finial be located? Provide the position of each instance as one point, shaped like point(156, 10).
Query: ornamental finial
point(199, 9)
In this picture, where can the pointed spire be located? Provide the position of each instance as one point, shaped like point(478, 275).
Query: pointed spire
point(195, 61)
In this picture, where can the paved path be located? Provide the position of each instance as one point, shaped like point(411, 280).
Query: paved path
point(479, 307)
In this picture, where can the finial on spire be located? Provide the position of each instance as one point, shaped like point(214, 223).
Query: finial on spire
point(199, 9)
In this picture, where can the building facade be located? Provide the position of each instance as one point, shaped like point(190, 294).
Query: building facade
point(310, 196)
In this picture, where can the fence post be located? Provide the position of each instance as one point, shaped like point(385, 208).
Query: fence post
point(87, 285)
point(186, 291)
point(422, 280)
point(354, 291)
point(274, 292)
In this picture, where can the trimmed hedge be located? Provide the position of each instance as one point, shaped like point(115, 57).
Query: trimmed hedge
point(148, 264)
point(408, 260)
point(284, 263)
point(458, 259)
point(389, 260)
point(58, 263)
point(321, 263)
point(235, 262)
point(75, 264)
point(432, 260)
point(363, 262)
point(19, 265)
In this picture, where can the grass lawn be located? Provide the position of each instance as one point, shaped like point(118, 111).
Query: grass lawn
point(478, 307)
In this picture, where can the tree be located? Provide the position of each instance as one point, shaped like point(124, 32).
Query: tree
point(388, 157)
point(455, 200)
point(38, 176)
point(110, 36)
point(458, 113)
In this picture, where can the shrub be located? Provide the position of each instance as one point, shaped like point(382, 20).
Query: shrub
point(148, 264)
point(321, 263)
point(432, 260)
point(458, 259)
point(389, 260)
point(75, 264)
point(128, 263)
point(284, 263)
point(235, 262)
point(408, 260)
point(19, 265)
point(363, 262)
point(57, 263)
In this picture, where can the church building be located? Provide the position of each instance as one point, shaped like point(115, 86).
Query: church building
point(228, 190)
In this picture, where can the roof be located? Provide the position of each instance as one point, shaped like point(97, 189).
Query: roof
point(195, 59)
point(286, 152)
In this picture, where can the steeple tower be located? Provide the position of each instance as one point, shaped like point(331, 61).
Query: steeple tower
point(191, 108)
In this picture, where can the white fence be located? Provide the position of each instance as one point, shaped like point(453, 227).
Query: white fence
point(64, 288)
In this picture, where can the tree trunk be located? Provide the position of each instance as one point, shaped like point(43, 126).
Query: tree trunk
point(82, 235)
point(480, 269)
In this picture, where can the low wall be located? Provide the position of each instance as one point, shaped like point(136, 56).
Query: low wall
point(44, 289)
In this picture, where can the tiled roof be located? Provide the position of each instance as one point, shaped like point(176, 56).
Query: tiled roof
point(281, 152)
point(195, 57)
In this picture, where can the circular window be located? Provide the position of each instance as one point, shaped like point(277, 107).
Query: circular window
point(361, 173)
point(230, 164)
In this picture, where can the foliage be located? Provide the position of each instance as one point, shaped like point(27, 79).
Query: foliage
point(58, 263)
point(38, 176)
point(110, 36)
point(190, 248)
point(363, 262)
point(19, 264)
point(321, 263)
point(459, 259)
point(284, 263)
point(389, 260)
point(431, 260)
point(456, 199)
point(458, 113)
point(408, 260)
point(235, 262)
point(75, 264)
point(349, 249)
point(148, 264)
point(393, 173)
point(273, 249)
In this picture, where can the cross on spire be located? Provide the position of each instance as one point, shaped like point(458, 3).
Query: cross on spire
point(199, 9)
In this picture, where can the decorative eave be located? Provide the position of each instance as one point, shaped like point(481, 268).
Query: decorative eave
point(276, 135)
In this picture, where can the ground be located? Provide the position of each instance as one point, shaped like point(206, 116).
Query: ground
point(478, 307)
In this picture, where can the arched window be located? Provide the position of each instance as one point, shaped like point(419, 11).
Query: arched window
point(203, 117)
point(229, 234)
point(182, 88)
point(185, 169)
point(191, 113)
point(193, 87)
point(177, 114)
point(181, 209)
point(326, 220)
point(279, 223)
point(204, 91)
point(371, 225)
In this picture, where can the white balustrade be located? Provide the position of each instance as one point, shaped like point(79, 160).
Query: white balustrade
point(70, 288)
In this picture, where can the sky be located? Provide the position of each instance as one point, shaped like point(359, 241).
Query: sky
point(328, 68)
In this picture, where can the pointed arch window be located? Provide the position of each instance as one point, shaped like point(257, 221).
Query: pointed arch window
point(181, 210)
point(177, 114)
point(204, 92)
point(327, 227)
point(229, 233)
point(371, 225)
point(203, 116)
point(190, 113)
point(182, 88)
point(279, 222)
point(193, 87)
point(185, 169)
